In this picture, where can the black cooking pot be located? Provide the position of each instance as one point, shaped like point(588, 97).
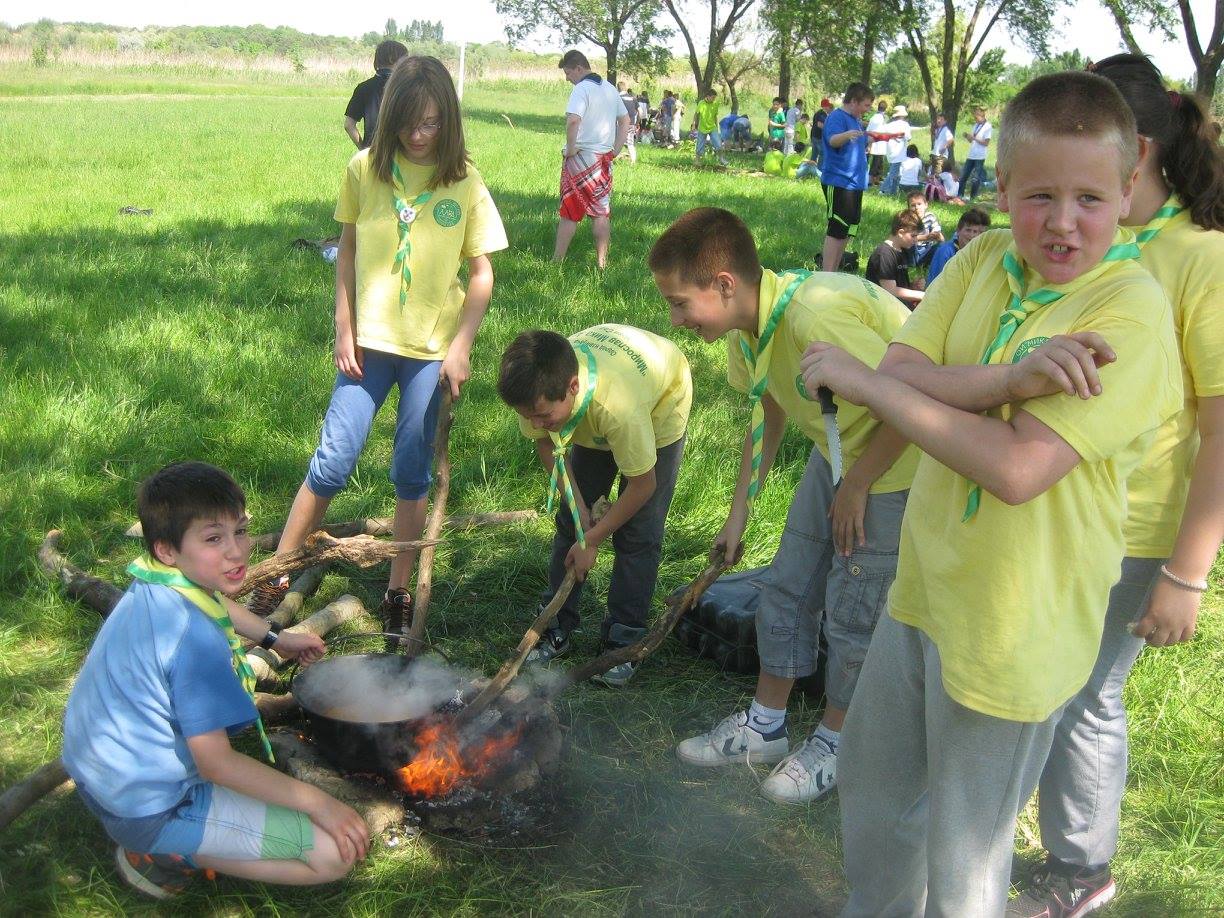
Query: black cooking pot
point(364, 710)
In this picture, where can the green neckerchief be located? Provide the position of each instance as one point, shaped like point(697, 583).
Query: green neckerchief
point(758, 369)
point(150, 570)
point(559, 481)
point(406, 215)
point(1170, 209)
point(1022, 305)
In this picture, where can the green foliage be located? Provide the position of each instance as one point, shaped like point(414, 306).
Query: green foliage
point(38, 56)
point(422, 30)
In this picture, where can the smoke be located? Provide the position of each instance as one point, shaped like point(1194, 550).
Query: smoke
point(364, 689)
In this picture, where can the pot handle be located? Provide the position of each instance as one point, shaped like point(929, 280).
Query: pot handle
point(331, 642)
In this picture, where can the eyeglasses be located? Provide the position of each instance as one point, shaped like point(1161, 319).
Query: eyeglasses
point(425, 129)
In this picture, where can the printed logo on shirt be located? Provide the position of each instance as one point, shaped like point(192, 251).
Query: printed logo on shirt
point(1028, 346)
point(600, 441)
point(447, 212)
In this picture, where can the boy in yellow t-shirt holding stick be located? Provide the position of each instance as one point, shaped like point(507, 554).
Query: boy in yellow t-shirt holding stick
point(1013, 532)
point(838, 552)
point(611, 400)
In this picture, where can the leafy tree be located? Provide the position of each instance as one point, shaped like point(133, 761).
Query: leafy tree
point(1157, 18)
point(733, 66)
point(717, 35)
point(391, 30)
point(949, 44)
point(626, 30)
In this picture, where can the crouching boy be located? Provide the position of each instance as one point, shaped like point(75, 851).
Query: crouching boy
point(838, 552)
point(165, 685)
point(611, 400)
point(1032, 377)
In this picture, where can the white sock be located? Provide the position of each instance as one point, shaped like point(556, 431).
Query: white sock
point(832, 737)
point(765, 720)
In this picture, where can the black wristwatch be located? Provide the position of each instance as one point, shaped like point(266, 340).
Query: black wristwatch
point(269, 639)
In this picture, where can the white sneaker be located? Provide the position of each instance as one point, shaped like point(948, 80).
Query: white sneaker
point(734, 741)
point(808, 773)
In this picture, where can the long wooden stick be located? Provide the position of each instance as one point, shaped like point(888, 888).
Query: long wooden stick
point(25, 793)
point(635, 653)
point(95, 593)
point(319, 547)
point(305, 586)
point(437, 513)
point(510, 668)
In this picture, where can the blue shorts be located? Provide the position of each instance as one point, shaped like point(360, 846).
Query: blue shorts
point(216, 822)
point(351, 415)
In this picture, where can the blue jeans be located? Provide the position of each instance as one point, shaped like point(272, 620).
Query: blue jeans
point(351, 415)
point(892, 180)
point(975, 172)
point(714, 138)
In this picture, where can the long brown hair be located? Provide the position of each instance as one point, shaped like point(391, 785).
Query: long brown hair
point(415, 81)
point(1190, 157)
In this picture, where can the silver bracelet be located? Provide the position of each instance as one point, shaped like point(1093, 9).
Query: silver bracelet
point(1199, 586)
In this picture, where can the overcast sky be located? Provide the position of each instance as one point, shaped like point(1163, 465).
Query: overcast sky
point(1088, 27)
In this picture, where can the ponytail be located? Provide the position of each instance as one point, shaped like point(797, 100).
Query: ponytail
point(1194, 164)
point(1191, 158)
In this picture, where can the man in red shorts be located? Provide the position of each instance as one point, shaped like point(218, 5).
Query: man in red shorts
point(596, 125)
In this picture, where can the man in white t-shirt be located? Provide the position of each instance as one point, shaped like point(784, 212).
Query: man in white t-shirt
point(596, 125)
point(975, 162)
point(878, 149)
point(942, 140)
point(788, 132)
point(899, 134)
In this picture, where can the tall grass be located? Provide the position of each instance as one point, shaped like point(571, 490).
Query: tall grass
point(129, 342)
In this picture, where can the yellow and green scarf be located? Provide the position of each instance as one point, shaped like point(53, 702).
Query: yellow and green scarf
point(149, 570)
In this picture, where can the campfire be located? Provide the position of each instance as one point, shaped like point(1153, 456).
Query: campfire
point(444, 763)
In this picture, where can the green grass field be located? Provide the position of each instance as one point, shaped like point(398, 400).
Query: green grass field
point(198, 332)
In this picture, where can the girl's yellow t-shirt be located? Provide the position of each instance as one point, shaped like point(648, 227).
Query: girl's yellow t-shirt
point(1015, 597)
point(458, 222)
point(850, 312)
point(643, 394)
point(1188, 262)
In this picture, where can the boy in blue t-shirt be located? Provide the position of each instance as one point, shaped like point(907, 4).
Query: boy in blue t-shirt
point(972, 224)
point(844, 171)
point(165, 685)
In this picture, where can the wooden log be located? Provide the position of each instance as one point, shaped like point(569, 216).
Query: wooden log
point(437, 513)
point(24, 794)
point(97, 594)
point(305, 586)
point(51, 776)
point(381, 526)
point(635, 653)
point(510, 668)
point(319, 547)
point(377, 804)
point(266, 663)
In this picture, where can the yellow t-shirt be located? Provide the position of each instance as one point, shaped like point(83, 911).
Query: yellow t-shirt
point(1188, 262)
point(1015, 598)
point(643, 393)
point(459, 221)
point(844, 310)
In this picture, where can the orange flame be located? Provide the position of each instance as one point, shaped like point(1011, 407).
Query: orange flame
point(442, 762)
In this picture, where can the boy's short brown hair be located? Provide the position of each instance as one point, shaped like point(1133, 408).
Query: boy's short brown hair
point(1068, 104)
point(858, 92)
point(388, 52)
point(905, 221)
point(915, 196)
point(703, 242)
point(174, 497)
point(574, 58)
point(974, 216)
point(536, 365)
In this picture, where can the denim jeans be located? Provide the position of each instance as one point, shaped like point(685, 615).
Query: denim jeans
point(975, 172)
point(892, 180)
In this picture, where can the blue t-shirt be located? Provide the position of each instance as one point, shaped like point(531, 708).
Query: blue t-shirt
point(724, 126)
point(942, 254)
point(844, 167)
point(159, 671)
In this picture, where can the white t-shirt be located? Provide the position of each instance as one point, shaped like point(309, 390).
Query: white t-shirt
point(950, 183)
point(980, 132)
point(909, 170)
point(598, 105)
point(943, 141)
point(876, 124)
point(792, 116)
point(896, 146)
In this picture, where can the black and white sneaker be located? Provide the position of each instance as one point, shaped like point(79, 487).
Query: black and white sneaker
point(803, 776)
point(734, 741)
point(553, 643)
point(1057, 890)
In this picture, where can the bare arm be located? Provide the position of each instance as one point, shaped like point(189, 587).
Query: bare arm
point(730, 537)
point(1064, 363)
point(571, 134)
point(837, 141)
point(350, 128)
point(904, 294)
point(217, 762)
point(348, 356)
point(456, 367)
point(637, 490)
point(1172, 611)
point(622, 133)
point(1014, 460)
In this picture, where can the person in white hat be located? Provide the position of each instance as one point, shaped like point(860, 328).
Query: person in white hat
point(899, 132)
